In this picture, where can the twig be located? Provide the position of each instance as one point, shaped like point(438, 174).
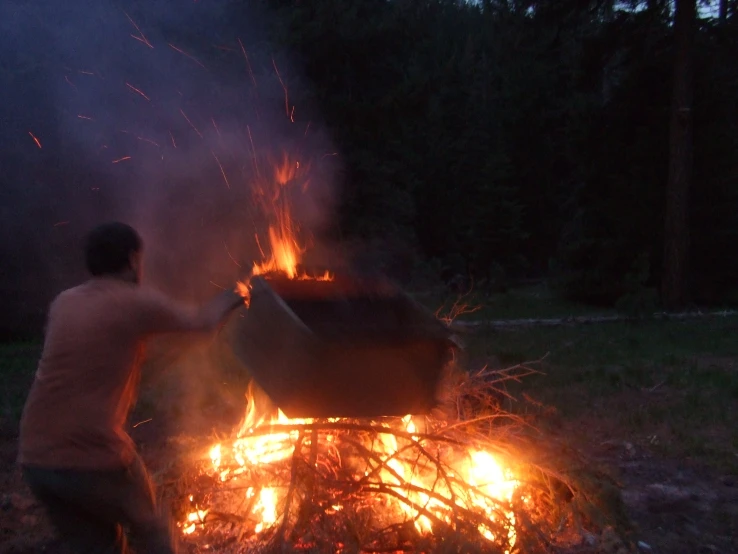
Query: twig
point(291, 490)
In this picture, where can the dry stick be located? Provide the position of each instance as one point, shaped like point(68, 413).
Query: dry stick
point(286, 428)
point(422, 451)
point(468, 513)
point(451, 505)
point(290, 491)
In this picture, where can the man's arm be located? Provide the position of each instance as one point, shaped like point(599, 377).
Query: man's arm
point(160, 314)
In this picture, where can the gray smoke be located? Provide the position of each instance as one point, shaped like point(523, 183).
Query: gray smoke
point(163, 114)
point(150, 112)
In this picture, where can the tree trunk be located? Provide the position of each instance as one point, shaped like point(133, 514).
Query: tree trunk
point(676, 235)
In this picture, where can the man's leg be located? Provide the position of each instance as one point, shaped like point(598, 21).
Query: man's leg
point(104, 501)
point(81, 530)
point(150, 529)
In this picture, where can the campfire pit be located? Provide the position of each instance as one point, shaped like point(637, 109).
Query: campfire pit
point(340, 347)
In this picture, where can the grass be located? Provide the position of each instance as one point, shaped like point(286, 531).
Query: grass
point(669, 386)
point(536, 301)
point(17, 366)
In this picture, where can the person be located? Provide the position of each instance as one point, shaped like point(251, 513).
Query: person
point(74, 452)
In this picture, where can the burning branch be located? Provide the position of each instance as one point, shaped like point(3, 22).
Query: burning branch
point(388, 484)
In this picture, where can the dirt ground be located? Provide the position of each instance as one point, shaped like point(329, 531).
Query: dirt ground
point(675, 507)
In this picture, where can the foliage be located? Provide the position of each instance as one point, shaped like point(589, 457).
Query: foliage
point(525, 135)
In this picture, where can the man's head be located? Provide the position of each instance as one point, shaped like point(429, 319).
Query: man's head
point(114, 250)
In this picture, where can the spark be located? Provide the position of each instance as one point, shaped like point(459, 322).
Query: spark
point(216, 126)
point(230, 256)
point(141, 38)
point(38, 142)
point(173, 142)
point(306, 128)
point(217, 285)
point(224, 48)
point(144, 139)
point(134, 89)
point(281, 82)
point(253, 151)
point(292, 114)
point(61, 223)
point(71, 84)
point(221, 169)
point(258, 245)
point(329, 154)
point(186, 54)
point(86, 72)
point(79, 115)
point(190, 122)
point(121, 159)
point(248, 64)
point(142, 422)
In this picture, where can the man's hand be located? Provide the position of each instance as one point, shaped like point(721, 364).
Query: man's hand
point(219, 308)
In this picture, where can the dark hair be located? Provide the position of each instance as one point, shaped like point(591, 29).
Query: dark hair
point(109, 246)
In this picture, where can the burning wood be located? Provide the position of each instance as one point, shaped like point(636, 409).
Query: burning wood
point(460, 478)
point(380, 485)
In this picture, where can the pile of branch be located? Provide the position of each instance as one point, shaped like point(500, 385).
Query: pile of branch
point(341, 488)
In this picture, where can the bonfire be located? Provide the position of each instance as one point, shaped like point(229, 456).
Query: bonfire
point(464, 478)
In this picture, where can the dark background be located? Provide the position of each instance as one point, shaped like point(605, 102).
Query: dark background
point(500, 141)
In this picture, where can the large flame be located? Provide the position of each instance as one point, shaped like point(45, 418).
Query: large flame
point(477, 480)
point(285, 252)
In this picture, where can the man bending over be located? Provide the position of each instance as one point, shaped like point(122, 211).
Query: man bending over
point(75, 454)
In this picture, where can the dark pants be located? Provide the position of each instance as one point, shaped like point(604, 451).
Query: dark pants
point(95, 511)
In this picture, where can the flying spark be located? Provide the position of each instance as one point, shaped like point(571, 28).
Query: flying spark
point(253, 151)
point(173, 142)
point(216, 126)
point(71, 84)
point(79, 115)
point(134, 89)
point(248, 64)
point(60, 223)
point(221, 169)
point(38, 142)
point(86, 72)
point(230, 256)
point(190, 122)
point(258, 245)
point(142, 37)
point(186, 54)
point(121, 159)
point(148, 140)
point(281, 82)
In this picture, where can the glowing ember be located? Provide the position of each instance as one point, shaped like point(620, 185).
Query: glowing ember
point(383, 466)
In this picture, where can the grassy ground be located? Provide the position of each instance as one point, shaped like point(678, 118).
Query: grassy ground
point(670, 384)
point(535, 301)
point(17, 366)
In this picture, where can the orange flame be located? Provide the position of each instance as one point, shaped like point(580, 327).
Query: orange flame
point(477, 480)
point(285, 250)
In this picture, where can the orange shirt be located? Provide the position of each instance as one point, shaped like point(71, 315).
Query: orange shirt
point(88, 375)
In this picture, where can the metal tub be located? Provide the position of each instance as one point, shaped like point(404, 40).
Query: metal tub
point(341, 348)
